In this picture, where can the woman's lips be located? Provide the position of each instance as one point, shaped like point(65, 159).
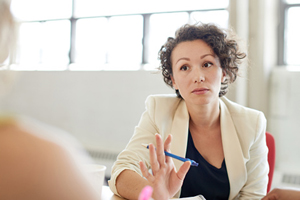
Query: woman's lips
point(200, 91)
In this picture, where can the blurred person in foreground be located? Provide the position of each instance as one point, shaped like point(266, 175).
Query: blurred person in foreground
point(37, 162)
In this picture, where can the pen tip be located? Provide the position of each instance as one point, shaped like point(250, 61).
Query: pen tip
point(145, 145)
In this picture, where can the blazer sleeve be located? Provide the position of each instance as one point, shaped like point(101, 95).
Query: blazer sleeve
point(134, 152)
point(257, 166)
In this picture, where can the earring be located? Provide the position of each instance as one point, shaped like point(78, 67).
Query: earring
point(224, 79)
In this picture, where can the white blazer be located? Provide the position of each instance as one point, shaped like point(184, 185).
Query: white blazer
point(243, 137)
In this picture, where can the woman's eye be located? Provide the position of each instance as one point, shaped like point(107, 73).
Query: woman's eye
point(207, 64)
point(184, 68)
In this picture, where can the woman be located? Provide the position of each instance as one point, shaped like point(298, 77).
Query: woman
point(226, 139)
point(34, 164)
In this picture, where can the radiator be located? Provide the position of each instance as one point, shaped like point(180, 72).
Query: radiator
point(293, 179)
point(102, 157)
point(286, 180)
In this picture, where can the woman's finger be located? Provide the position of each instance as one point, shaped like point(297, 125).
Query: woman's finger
point(167, 147)
point(153, 159)
point(183, 170)
point(160, 150)
point(145, 172)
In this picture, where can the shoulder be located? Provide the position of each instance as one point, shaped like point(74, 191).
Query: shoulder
point(166, 102)
point(25, 147)
point(163, 98)
point(28, 154)
point(249, 123)
point(43, 162)
point(31, 142)
point(162, 108)
point(237, 110)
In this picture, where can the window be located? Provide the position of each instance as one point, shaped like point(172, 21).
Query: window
point(289, 40)
point(104, 35)
point(45, 45)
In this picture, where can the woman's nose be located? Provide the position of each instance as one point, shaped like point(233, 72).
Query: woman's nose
point(198, 76)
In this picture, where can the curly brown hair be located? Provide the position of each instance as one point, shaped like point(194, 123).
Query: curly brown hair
point(224, 47)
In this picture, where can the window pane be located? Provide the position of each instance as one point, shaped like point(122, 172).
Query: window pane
point(44, 44)
point(292, 38)
point(125, 42)
point(293, 1)
point(163, 26)
point(91, 42)
point(219, 17)
point(27, 10)
point(85, 8)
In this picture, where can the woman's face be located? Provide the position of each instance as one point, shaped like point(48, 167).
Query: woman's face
point(197, 72)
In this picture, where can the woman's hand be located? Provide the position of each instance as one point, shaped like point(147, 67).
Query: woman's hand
point(164, 178)
point(282, 194)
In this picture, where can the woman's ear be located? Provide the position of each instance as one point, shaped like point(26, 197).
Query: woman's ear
point(224, 76)
point(173, 83)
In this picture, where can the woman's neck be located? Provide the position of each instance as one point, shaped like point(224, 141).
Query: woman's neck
point(205, 116)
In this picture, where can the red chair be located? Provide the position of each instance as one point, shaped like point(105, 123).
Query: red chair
point(271, 158)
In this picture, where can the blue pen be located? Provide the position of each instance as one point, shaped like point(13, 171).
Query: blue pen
point(193, 163)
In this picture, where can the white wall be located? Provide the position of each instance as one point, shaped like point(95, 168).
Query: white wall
point(284, 119)
point(100, 108)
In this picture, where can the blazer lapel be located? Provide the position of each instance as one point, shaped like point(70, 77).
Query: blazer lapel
point(234, 158)
point(180, 132)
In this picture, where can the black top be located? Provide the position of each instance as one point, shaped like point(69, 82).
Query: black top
point(206, 179)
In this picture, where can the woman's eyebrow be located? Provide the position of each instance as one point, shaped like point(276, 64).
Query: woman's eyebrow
point(182, 59)
point(209, 54)
point(203, 56)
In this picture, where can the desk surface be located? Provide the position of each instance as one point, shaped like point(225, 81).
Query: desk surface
point(107, 194)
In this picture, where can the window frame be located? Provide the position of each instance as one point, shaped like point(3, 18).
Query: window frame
point(283, 8)
point(146, 32)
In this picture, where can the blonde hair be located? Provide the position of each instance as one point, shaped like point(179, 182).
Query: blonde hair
point(8, 38)
point(8, 31)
